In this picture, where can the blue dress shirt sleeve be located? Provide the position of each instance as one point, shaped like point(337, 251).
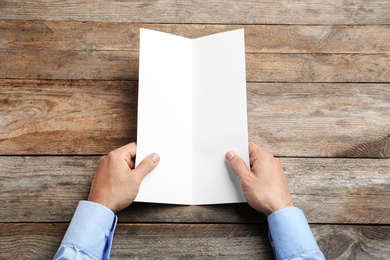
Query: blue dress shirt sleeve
point(90, 233)
point(291, 237)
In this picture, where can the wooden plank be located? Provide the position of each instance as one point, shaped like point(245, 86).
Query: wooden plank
point(68, 115)
point(94, 117)
point(331, 190)
point(30, 241)
point(215, 11)
point(40, 241)
point(353, 242)
point(318, 67)
point(267, 67)
point(45, 189)
point(334, 120)
point(88, 36)
point(192, 240)
point(245, 241)
point(100, 65)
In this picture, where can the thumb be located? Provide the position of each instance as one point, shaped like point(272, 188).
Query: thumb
point(147, 164)
point(237, 164)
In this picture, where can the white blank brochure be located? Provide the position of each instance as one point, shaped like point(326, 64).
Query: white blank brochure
point(191, 111)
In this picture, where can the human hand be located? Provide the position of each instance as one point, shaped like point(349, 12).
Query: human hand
point(116, 182)
point(264, 186)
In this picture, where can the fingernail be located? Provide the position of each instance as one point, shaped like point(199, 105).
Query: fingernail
point(155, 157)
point(229, 155)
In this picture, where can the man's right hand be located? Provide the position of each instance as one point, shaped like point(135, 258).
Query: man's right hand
point(264, 185)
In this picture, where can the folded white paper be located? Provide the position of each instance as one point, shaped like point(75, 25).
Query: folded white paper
point(191, 111)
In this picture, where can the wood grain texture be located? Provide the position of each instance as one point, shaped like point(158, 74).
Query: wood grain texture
point(91, 36)
point(94, 117)
point(334, 120)
point(61, 117)
point(318, 67)
point(30, 241)
point(261, 67)
point(188, 241)
point(353, 242)
point(193, 240)
point(100, 65)
point(75, 50)
point(318, 86)
point(47, 189)
point(215, 11)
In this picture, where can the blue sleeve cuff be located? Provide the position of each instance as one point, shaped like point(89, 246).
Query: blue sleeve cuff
point(91, 229)
point(290, 235)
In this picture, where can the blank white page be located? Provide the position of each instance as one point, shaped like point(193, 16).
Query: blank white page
point(191, 111)
point(219, 115)
point(164, 116)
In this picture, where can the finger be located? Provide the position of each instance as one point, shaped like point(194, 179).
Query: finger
point(147, 164)
point(237, 164)
point(256, 152)
point(130, 149)
point(257, 149)
point(253, 146)
point(127, 152)
point(132, 163)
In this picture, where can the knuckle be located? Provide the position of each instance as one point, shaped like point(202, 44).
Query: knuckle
point(133, 145)
point(268, 156)
point(112, 155)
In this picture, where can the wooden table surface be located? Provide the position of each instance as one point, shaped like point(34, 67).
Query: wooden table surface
point(318, 87)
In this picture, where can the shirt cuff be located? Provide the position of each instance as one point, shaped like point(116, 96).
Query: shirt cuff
point(91, 229)
point(290, 234)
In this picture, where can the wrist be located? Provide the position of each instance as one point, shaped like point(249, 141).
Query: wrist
point(281, 205)
point(280, 208)
point(101, 199)
point(279, 211)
